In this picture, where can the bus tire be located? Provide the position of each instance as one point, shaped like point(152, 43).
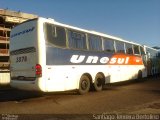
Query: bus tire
point(139, 74)
point(98, 83)
point(84, 85)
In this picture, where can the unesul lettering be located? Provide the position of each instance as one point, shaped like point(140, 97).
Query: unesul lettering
point(95, 59)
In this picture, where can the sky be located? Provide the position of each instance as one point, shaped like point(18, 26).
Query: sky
point(132, 20)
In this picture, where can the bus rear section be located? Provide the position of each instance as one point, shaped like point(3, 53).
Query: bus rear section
point(25, 69)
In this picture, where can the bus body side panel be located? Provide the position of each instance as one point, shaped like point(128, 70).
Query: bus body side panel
point(65, 70)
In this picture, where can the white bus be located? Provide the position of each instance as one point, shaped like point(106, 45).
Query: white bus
point(50, 56)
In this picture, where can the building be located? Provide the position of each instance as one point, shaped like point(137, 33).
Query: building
point(8, 19)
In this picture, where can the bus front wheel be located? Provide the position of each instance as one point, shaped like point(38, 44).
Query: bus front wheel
point(139, 74)
point(84, 85)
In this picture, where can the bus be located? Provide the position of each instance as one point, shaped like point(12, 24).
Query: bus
point(153, 60)
point(49, 56)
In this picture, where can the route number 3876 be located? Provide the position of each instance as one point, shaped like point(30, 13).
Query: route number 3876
point(21, 59)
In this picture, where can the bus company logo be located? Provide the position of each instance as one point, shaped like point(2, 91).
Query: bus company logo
point(23, 32)
point(95, 59)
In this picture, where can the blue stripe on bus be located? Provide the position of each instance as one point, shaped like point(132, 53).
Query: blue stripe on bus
point(60, 56)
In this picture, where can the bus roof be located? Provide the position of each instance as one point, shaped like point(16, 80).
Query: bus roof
point(52, 21)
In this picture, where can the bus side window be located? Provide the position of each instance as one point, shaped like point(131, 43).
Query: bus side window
point(77, 39)
point(136, 50)
point(129, 49)
point(55, 35)
point(120, 47)
point(108, 45)
point(95, 42)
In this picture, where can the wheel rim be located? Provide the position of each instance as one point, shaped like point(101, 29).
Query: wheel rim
point(84, 85)
point(99, 82)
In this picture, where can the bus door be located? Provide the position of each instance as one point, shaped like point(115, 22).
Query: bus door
point(149, 63)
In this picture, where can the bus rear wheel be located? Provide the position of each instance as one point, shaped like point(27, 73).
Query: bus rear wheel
point(84, 85)
point(98, 83)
